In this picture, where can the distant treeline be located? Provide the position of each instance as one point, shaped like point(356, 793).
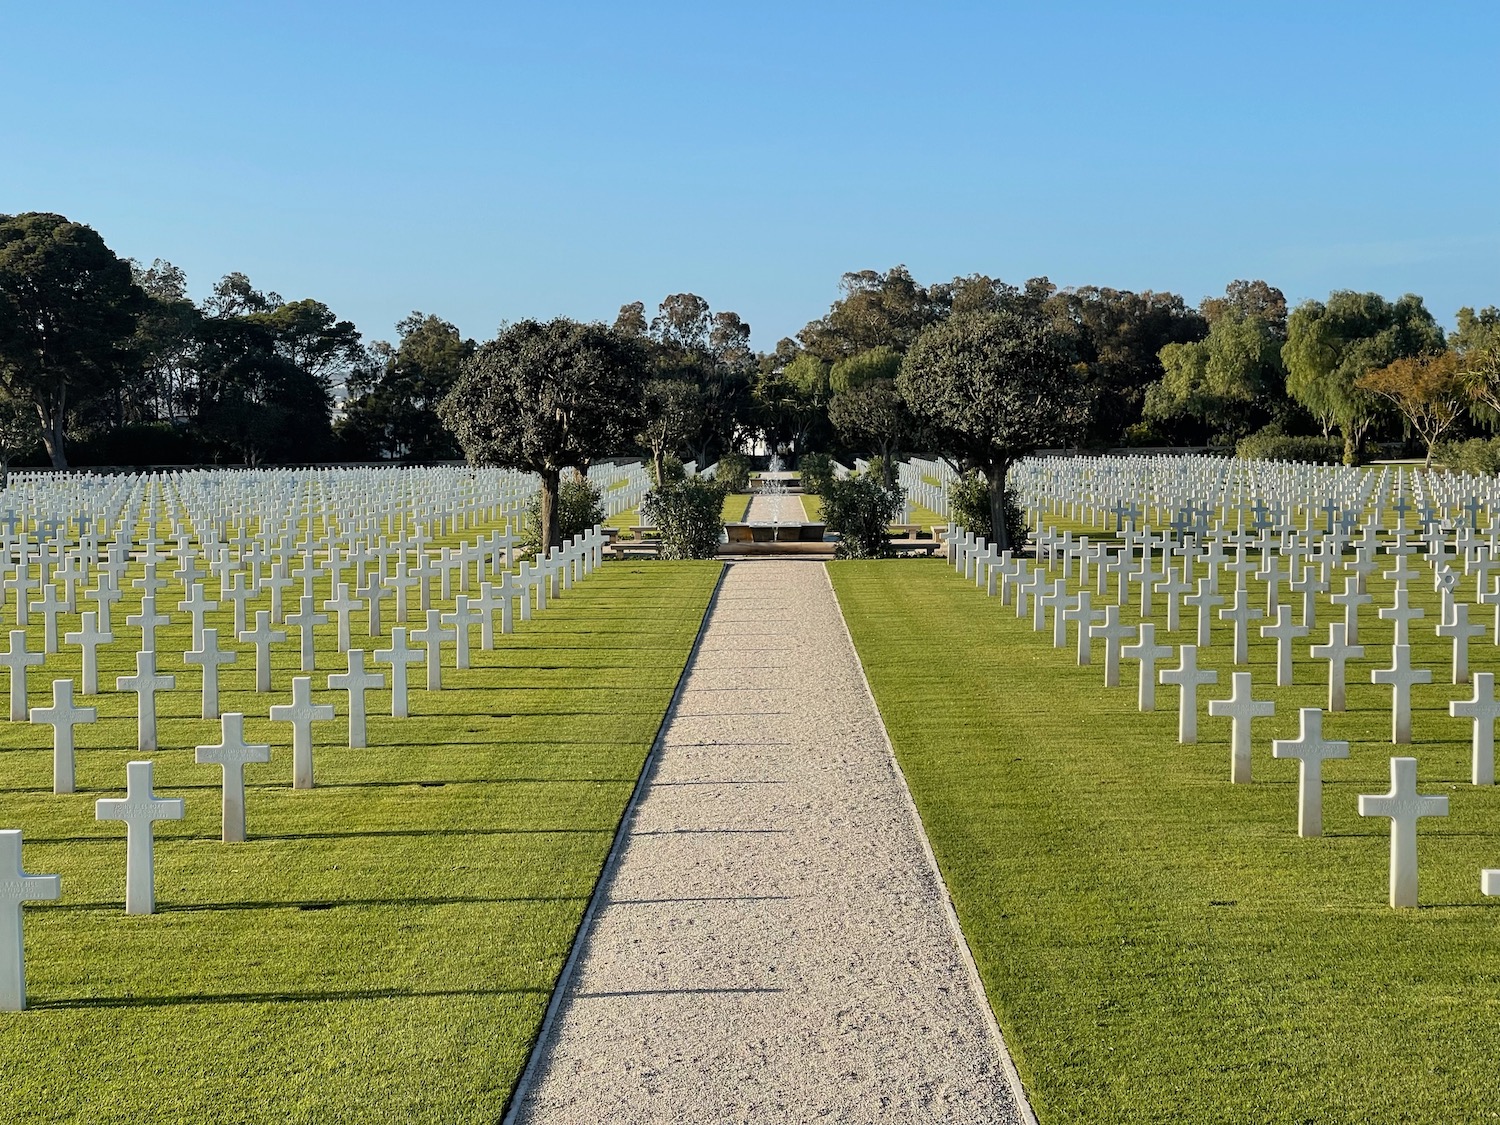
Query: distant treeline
point(107, 361)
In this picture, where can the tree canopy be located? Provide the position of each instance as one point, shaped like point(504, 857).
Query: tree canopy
point(548, 396)
point(1329, 346)
point(991, 387)
point(68, 310)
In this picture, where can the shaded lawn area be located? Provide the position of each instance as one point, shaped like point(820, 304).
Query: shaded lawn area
point(1158, 944)
point(384, 946)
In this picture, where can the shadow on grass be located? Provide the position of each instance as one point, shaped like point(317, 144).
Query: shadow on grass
point(322, 904)
point(331, 996)
point(374, 833)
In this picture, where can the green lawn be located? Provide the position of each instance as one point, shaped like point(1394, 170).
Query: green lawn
point(384, 946)
point(1158, 944)
point(736, 507)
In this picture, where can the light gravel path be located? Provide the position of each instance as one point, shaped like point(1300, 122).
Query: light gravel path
point(773, 944)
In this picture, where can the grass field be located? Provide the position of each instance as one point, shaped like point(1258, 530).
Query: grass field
point(736, 505)
point(1158, 944)
point(384, 946)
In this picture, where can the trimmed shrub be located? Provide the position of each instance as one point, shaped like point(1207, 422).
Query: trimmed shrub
point(860, 510)
point(733, 472)
point(689, 515)
point(817, 471)
point(580, 505)
point(672, 468)
point(969, 506)
point(1473, 456)
point(1271, 444)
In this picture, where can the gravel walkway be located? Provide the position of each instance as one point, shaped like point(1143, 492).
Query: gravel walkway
point(772, 944)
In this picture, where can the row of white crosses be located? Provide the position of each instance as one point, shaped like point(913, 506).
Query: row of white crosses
point(1402, 804)
point(359, 535)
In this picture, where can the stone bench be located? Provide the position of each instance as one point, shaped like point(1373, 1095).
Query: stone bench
point(913, 546)
point(781, 533)
point(640, 549)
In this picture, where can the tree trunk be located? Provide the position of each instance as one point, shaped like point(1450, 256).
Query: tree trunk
point(551, 532)
point(1351, 447)
point(888, 464)
point(658, 462)
point(999, 534)
point(52, 434)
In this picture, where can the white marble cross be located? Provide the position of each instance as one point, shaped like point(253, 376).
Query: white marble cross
point(432, 637)
point(146, 682)
point(302, 712)
point(1188, 677)
point(140, 808)
point(1483, 709)
point(18, 659)
point(304, 620)
point(1240, 708)
point(148, 621)
point(197, 605)
point(1204, 602)
point(1284, 632)
point(1311, 750)
point(50, 605)
point(239, 594)
point(1460, 630)
point(17, 887)
point(262, 637)
point(507, 589)
point(63, 716)
point(233, 753)
point(103, 596)
point(1241, 612)
point(398, 656)
point(1401, 676)
point(1082, 615)
point(465, 616)
point(1404, 806)
point(1056, 600)
point(1148, 652)
point(1402, 612)
point(1173, 586)
point(210, 655)
point(374, 592)
point(356, 682)
point(1351, 599)
point(1112, 633)
point(1337, 652)
point(89, 639)
point(342, 607)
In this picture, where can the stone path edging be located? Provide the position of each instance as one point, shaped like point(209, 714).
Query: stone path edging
point(961, 943)
point(616, 849)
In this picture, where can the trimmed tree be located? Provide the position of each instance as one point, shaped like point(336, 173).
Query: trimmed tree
point(544, 397)
point(992, 387)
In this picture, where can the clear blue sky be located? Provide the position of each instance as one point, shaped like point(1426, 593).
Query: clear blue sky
point(488, 161)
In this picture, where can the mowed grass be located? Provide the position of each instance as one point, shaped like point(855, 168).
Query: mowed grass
point(383, 947)
point(736, 506)
point(1158, 944)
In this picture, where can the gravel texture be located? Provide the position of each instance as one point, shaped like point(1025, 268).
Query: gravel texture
point(773, 944)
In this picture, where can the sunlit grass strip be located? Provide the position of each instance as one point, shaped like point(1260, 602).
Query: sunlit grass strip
point(383, 947)
point(1158, 944)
